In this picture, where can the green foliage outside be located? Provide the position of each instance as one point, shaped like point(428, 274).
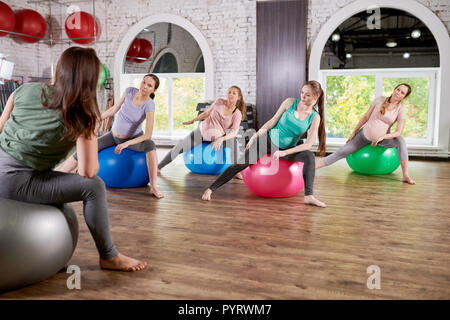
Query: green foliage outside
point(161, 122)
point(349, 97)
point(187, 93)
point(416, 104)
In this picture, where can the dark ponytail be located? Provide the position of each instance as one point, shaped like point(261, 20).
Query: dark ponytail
point(317, 89)
point(156, 79)
point(322, 133)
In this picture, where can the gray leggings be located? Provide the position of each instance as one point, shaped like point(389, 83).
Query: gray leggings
point(108, 140)
point(262, 146)
point(22, 183)
point(359, 141)
point(190, 141)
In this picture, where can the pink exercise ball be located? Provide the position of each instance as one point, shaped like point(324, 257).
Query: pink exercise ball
point(274, 178)
point(80, 27)
point(31, 23)
point(7, 19)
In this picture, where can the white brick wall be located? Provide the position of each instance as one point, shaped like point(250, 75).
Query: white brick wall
point(228, 25)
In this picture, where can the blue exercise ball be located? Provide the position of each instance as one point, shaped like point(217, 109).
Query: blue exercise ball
point(36, 241)
point(203, 159)
point(125, 170)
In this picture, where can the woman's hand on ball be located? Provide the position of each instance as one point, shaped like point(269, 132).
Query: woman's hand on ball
point(279, 154)
point(375, 142)
point(217, 144)
point(120, 147)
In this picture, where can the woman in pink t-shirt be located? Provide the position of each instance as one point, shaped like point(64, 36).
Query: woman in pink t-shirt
point(221, 116)
point(377, 121)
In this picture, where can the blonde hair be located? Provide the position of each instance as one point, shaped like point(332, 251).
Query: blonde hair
point(387, 101)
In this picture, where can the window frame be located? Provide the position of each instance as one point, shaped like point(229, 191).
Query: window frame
point(380, 73)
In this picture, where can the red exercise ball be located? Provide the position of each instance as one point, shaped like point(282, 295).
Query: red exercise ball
point(7, 19)
point(133, 50)
point(145, 50)
point(80, 27)
point(31, 23)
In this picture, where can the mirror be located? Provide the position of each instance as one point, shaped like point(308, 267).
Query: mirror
point(164, 48)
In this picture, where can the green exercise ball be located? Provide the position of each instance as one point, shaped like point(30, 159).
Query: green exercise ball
point(103, 76)
point(374, 160)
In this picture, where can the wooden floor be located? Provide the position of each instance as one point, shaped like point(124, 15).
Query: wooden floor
point(240, 246)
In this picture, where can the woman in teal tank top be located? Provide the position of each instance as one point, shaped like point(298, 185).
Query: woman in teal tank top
point(281, 135)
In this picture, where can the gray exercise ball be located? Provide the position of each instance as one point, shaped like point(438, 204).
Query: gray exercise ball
point(36, 241)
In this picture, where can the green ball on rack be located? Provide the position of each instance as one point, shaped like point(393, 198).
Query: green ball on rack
point(103, 76)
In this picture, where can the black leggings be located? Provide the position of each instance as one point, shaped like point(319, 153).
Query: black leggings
point(262, 146)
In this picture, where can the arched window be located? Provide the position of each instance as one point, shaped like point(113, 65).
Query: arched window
point(181, 88)
point(166, 64)
point(363, 51)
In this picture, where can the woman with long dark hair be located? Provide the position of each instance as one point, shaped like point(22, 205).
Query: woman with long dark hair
point(377, 122)
point(39, 126)
point(280, 137)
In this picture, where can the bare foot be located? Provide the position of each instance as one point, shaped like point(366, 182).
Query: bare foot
point(238, 176)
point(156, 193)
point(407, 179)
point(158, 172)
point(207, 195)
point(313, 201)
point(122, 263)
point(320, 164)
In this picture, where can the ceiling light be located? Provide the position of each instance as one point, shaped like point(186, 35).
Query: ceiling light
point(406, 55)
point(348, 55)
point(415, 33)
point(335, 37)
point(391, 44)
